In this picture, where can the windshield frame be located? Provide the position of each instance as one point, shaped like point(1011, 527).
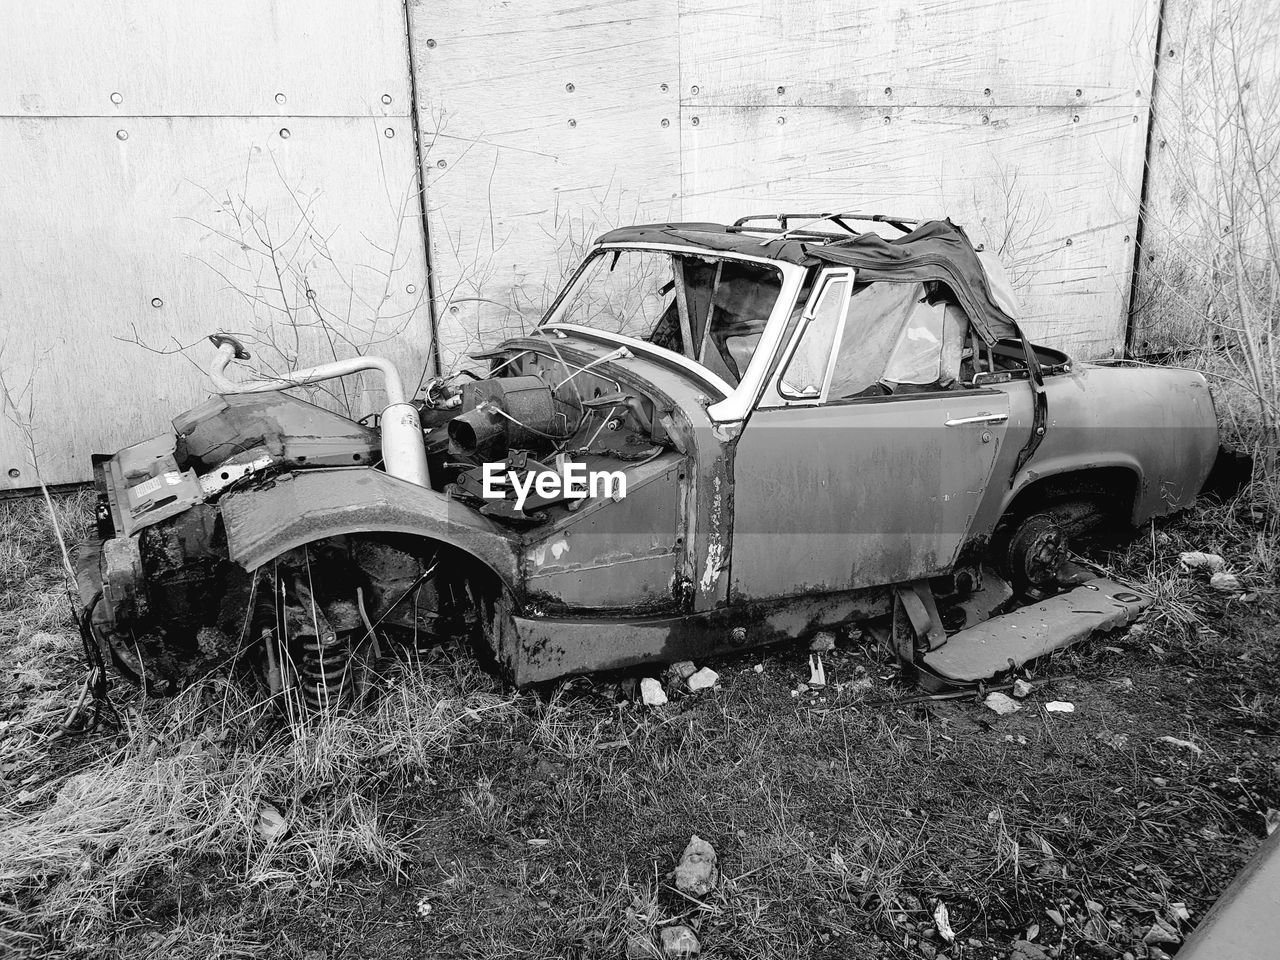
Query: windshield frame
point(737, 401)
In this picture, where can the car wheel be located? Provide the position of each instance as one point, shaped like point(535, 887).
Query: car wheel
point(1037, 549)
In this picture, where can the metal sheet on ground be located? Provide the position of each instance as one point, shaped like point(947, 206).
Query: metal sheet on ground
point(1015, 638)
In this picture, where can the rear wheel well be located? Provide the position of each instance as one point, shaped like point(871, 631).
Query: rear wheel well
point(1112, 490)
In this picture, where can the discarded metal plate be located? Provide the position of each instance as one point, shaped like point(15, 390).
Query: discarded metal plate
point(1032, 631)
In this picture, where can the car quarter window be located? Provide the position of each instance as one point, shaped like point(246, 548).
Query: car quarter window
point(806, 369)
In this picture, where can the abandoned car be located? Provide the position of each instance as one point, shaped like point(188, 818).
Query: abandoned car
point(801, 425)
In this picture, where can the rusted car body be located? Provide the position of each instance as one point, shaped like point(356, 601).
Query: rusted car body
point(816, 425)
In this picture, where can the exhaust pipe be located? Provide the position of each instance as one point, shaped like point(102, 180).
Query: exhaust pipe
point(404, 453)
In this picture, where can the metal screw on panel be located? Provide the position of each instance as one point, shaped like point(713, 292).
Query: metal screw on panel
point(666, 122)
point(781, 91)
point(985, 118)
point(664, 88)
point(390, 132)
point(739, 635)
point(886, 119)
point(1079, 92)
point(1126, 238)
point(986, 436)
point(311, 294)
point(782, 120)
point(694, 91)
point(1135, 118)
point(431, 44)
point(453, 309)
point(386, 98)
point(1068, 241)
point(986, 91)
point(284, 133)
point(117, 98)
point(157, 302)
point(570, 87)
point(573, 123)
point(888, 91)
point(1075, 118)
point(14, 473)
point(410, 288)
point(122, 134)
point(695, 121)
point(441, 164)
point(281, 98)
point(1039, 431)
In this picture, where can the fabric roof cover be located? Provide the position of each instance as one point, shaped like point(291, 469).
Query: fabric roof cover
point(935, 250)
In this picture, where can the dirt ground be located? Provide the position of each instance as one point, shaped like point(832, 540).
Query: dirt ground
point(456, 819)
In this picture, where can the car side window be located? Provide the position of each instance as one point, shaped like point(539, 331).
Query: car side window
point(805, 373)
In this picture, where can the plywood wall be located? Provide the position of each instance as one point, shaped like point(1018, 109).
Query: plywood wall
point(153, 154)
point(152, 157)
point(543, 124)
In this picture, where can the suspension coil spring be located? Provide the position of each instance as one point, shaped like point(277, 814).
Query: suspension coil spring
point(325, 671)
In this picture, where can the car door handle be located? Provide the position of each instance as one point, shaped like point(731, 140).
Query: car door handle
point(981, 418)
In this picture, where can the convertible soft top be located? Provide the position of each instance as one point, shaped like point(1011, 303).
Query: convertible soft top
point(934, 250)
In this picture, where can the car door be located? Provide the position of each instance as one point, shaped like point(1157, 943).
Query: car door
point(837, 487)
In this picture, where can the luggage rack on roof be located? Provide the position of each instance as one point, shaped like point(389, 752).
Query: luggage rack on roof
point(782, 230)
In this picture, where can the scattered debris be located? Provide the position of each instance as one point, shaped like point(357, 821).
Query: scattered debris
point(1060, 706)
point(1161, 932)
point(684, 669)
point(1194, 561)
point(539, 842)
point(651, 692)
point(695, 874)
point(759, 668)
point(424, 907)
point(1185, 744)
point(1116, 741)
point(823, 643)
point(1001, 703)
point(817, 673)
point(1226, 582)
point(679, 941)
point(1021, 688)
point(703, 679)
point(271, 824)
point(1026, 950)
point(942, 920)
point(1271, 819)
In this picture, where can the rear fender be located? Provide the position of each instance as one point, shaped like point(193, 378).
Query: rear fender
point(264, 523)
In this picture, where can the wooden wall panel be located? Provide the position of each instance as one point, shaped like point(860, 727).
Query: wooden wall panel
point(543, 125)
point(193, 58)
point(1024, 122)
point(1063, 228)
point(121, 218)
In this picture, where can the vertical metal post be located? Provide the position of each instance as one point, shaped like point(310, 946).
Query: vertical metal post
point(1140, 229)
point(436, 367)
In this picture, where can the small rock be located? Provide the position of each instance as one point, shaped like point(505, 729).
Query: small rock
point(271, 824)
point(928, 951)
point(801, 688)
point(942, 918)
point(1021, 688)
point(1060, 706)
point(651, 692)
point(823, 643)
point(640, 947)
point(1026, 950)
point(1001, 704)
point(679, 941)
point(1194, 560)
point(703, 679)
point(1161, 932)
point(696, 871)
point(1226, 582)
point(684, 669)
point(759, 668)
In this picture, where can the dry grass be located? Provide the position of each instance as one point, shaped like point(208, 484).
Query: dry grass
point(453, 819)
